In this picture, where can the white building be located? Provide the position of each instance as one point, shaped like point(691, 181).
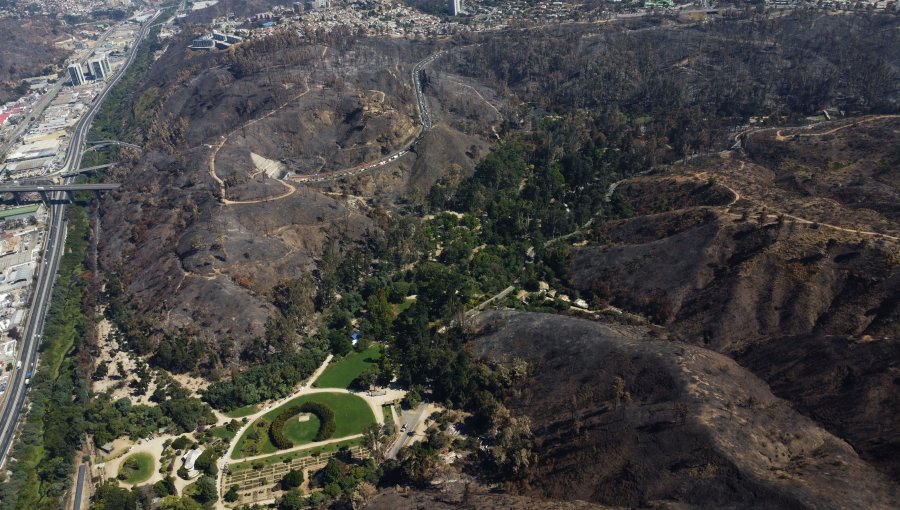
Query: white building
point(190, 458)
point(454, 7)
point(99, 67)
point(76, 74)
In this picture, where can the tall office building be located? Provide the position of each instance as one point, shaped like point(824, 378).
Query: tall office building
point(76, 74)
point(99, 67)
point(455, 7)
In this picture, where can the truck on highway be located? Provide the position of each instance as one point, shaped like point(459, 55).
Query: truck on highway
point(18, 364)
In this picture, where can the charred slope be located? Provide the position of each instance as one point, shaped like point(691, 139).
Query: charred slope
point(727, 283)
point(27, 49)
point(229, 123)
point(688, 426)
point(847, 384)
point(812, 308)
point(467, 497)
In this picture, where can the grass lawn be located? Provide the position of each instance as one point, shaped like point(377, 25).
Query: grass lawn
point(191, 490)
point(388, 417)
point(240, 412)
point(341, 373)
point(222, 433)
point(137, 467)
point(351, 414)
point(400, 308)
point(274, 459)
point(301, 432)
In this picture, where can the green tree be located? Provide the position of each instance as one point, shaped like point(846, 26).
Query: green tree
point(101, 371)
point(206, 462)
point(177, 503)
point(412, 399)
point(366, 379)
point(232, 495)
point(380, 315)
point(206, 490)
point(296, 298)
point(378, 437)
point(109, 496)
point(292, 500)
point(292, 480)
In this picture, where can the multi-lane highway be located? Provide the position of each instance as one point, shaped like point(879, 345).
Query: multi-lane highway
point(40, 302)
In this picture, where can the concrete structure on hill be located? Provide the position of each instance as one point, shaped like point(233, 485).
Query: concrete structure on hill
point(76, 74)
point(215, 39)
point(205, 42)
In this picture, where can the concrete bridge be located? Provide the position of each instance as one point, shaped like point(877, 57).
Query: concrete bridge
point(86, 170)
point(99, 144)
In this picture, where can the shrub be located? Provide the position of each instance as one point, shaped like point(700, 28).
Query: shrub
point(180, 443)
point(326, 419)
point(232, 495)
point(326, 423)
point(276, 428)
point(292, 480)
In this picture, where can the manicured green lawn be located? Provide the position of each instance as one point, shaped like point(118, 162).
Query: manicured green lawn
point(222, 433)
point(351, 414)
point(340, 374)
point(240, 412)
point(144, 467)
point(301, 432)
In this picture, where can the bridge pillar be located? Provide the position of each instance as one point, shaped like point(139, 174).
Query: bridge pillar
point(45, 198)
point(71, 196)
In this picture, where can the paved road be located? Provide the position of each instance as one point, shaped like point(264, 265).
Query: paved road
point(424, 119)
point(79, 487)
point(412, 428)
point(34, 326)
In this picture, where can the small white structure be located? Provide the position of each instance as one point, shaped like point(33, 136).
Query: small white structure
point(190, 458)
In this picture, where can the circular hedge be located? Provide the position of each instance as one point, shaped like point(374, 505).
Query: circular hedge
point(322, 412)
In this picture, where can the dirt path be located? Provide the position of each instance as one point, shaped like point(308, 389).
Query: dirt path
point(337, 174)
point(154, 447)
point(473, 89)
point(302, 447)
point(782, 138)
point(224, 139)
point(798, 219)
point(321, 177)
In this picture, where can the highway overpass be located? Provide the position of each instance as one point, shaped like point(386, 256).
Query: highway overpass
point(49, 191)
point(49, 188)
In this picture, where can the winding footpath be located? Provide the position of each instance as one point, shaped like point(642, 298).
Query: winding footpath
point(290, 189)
point(224, 139)
point(375, 403)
